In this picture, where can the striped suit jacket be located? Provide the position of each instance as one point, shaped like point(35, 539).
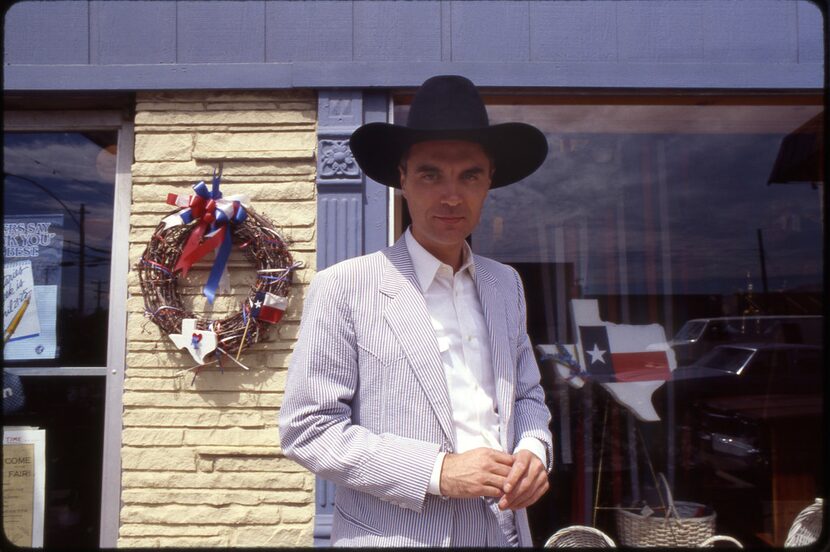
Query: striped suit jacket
point(366, 404)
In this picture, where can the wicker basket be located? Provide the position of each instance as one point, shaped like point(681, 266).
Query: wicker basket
point(580, 536)
point(806, 528)
point(679, 527)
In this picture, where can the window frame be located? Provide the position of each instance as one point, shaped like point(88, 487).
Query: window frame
point(87, 120)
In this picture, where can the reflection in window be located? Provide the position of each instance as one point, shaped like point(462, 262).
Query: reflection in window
point(703, 215)
point(58, 190)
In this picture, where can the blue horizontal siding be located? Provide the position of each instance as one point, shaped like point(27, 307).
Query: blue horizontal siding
point(137, 32)
point(402, 32)
point(104, 45)
point(220, 31)
point(359, 75)
point(308, 31)
point(46, 32)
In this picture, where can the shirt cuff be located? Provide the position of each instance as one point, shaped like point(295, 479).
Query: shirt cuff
point(535, 446)
point(435, 479)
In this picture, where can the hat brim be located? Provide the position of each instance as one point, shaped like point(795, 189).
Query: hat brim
point(518, 149)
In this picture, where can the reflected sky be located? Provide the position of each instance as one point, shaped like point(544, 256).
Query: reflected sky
point(56, 173)
point(659, 199)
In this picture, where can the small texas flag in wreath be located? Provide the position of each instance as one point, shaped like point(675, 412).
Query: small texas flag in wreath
point(619, 353)
point(268, 307)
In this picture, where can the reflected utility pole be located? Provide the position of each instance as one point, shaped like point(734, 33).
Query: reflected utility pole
point(81, 261)
point(764, 285)
point(98, 295)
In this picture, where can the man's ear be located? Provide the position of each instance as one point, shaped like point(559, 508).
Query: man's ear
point(401, 179)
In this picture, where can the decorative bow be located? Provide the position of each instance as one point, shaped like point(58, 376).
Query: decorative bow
point(215, 215)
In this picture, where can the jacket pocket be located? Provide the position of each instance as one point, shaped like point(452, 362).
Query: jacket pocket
point(362, 525)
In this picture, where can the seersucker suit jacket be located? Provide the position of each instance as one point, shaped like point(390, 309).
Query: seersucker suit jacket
point(366, 403)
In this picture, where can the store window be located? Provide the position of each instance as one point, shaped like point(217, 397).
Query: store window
point(58, 190)
point(689, 227)
point(64, 298)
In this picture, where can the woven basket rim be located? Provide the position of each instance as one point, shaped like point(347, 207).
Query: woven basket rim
point(661, 519)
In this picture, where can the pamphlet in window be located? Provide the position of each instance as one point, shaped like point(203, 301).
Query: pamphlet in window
point(24, 477)
point(32, 255)
point(20, 319)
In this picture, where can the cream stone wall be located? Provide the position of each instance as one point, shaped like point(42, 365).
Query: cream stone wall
point(201, 462)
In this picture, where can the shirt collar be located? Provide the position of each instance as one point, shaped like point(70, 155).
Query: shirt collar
point(426, 265)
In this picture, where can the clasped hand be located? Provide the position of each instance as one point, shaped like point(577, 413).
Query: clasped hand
point(517, 480)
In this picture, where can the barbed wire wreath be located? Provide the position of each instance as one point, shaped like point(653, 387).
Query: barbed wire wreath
point(208, 221)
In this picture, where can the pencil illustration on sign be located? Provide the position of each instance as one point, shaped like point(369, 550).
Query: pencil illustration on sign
point(20, 318)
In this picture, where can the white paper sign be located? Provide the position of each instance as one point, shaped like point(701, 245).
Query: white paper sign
point(24, 484)
point(20, 316)
point(35, 241)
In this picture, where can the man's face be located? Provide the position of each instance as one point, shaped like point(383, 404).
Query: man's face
point(445, 183)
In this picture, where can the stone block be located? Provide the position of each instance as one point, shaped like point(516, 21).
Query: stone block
point(201, 400)
point(255, 380)
point(283, 167)
point(185, 169)
point(148, 359)
point(193, 542)
point(246, 117)
point(186, 514)
point(152, 460)
point(215, 480)
point(199, 417)
point(290, 191)
point(138, 542)
point(288, 536)
point(233, 437)
point(257, 464)
point(155, 437)
point(223, 497)
point(255, 145)
point(290, 213)
point(163, 147)
point(161, 530)
point(289, 331)
point(297, 514)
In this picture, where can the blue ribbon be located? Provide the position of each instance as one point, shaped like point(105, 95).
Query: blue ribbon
point(221, 219)
point(222, 255)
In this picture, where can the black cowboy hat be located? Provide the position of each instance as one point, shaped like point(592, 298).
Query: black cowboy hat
point(448, 107)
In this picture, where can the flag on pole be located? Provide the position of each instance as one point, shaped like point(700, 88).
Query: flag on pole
point(269, 307)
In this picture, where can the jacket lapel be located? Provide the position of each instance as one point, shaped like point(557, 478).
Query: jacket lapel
point(408, 318)
point(493, 305)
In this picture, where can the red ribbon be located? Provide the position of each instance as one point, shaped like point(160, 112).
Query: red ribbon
point(194, 249)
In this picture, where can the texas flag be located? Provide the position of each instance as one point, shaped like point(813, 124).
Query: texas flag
point(619, 353)
point(268, 307)
point(629, 360)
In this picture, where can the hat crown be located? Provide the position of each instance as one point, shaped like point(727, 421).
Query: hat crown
point(447, 102)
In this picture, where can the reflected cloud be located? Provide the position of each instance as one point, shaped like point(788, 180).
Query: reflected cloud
point(683, 206)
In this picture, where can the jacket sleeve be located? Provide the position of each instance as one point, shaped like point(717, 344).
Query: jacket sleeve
point(316, 428)
point(531, 412)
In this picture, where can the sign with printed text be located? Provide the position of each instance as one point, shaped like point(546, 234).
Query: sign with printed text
point(24, 485)
point(32, 256)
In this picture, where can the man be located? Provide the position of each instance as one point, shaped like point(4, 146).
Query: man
point(413, 386)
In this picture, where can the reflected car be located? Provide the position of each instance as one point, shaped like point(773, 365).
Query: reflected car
point(750, 369)
point(700, 335)
point(735, 394)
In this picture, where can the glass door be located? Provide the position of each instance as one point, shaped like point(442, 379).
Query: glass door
point(65, 237)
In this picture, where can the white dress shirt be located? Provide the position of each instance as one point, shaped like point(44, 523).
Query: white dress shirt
point(463, 340)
